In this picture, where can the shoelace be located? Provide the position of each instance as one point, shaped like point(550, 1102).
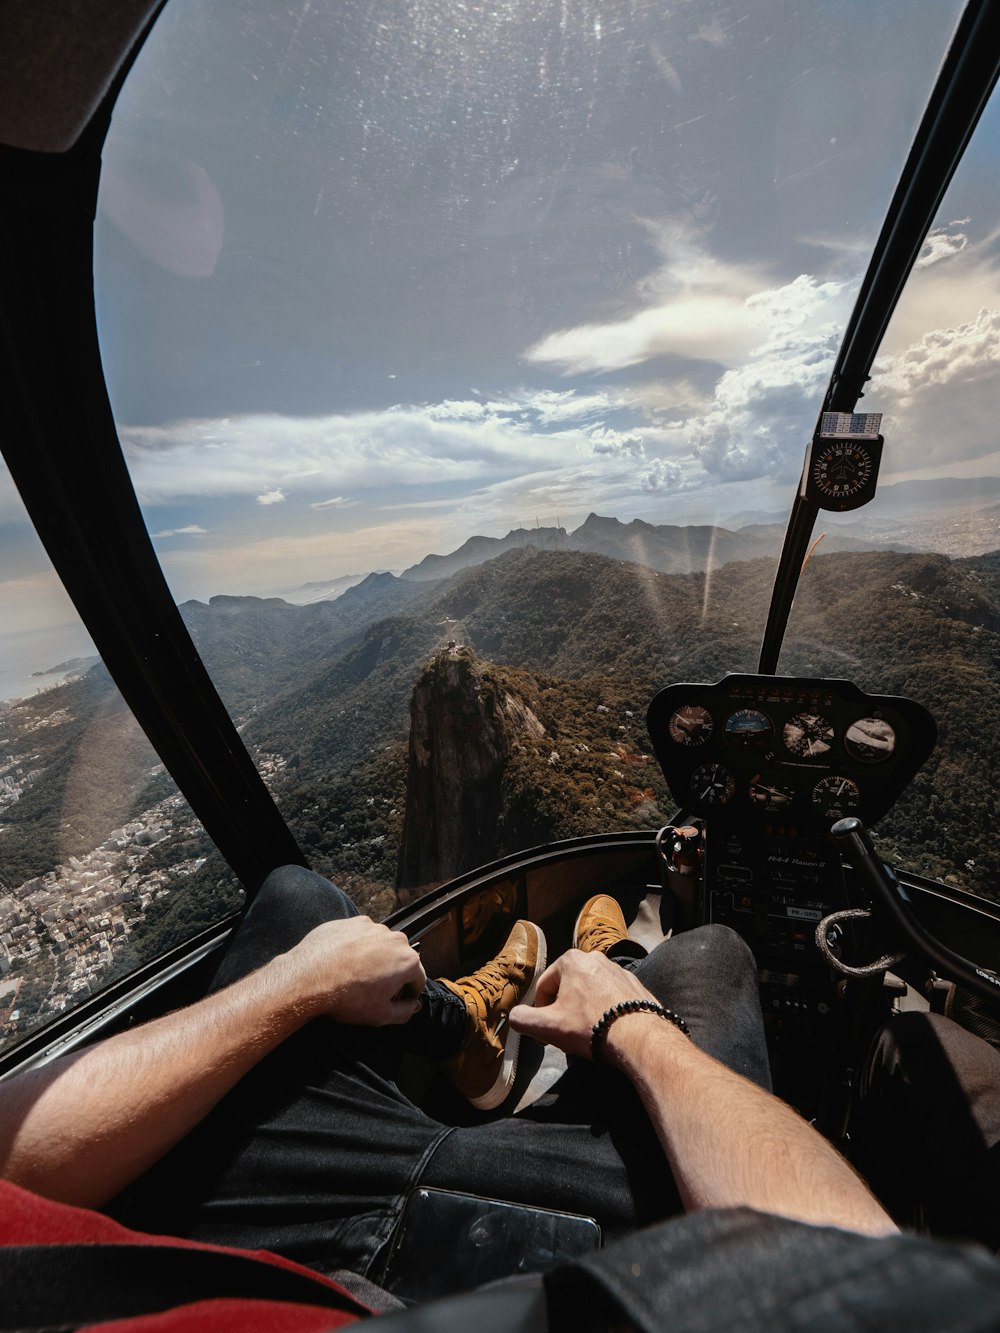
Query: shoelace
point(601, 937)
point(488, 982)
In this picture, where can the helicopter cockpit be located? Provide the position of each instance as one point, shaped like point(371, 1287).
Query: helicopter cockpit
point(404, 399)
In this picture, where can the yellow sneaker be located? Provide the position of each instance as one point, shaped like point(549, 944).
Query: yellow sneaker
point(600, 925)
point(484, 1069)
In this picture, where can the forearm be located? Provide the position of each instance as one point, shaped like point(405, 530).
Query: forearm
point(731, 1144)
point(80, 1129)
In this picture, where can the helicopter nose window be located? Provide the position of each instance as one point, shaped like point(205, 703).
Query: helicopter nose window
point(464, 355)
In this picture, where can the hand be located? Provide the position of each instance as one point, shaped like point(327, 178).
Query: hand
point(357, 972)
point(572, 995)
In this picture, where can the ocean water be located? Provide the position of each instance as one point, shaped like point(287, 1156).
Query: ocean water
point(25, 652)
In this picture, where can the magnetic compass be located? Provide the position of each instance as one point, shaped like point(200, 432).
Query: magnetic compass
point(842, 461)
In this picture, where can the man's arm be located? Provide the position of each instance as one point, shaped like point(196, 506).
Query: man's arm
point(729, 1143)
point(80, 1129)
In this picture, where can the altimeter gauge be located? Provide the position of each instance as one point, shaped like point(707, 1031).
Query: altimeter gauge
point(835, 797)
point(808, 735)
point(870, 740)
point(770, 793)
point(749, 728)
point(711, 784)
point(690, 725)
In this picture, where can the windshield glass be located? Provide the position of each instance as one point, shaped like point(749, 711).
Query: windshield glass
point(500, 326)
point(924, 622)
point(103, 866)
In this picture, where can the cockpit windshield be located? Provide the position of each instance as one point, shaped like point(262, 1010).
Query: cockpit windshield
point(464, 355)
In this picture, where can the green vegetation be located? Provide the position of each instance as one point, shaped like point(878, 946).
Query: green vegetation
point(591, 630)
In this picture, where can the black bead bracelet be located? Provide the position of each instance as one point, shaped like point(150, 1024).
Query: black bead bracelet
point(600, 1030)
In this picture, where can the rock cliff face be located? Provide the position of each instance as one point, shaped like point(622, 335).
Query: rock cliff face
point(462, 727)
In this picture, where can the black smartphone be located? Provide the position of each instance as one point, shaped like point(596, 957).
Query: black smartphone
point(446, 1242)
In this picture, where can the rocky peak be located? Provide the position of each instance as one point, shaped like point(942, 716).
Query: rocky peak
point(462, 726)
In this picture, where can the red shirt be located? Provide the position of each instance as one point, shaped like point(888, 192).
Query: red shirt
point(27, 1219)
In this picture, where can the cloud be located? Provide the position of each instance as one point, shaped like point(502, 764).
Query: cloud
point(942, 243)
point(456, 411)
point(695, 306)
point(942, 356)
point(192, 530)
point(704, 327)
point(663, 476)
point(760, 413)
point(275, 458)
point(555, 405)
point(606, 441)
point(939, 394)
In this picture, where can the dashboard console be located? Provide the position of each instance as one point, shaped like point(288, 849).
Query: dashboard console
point(766, 765)
point(787, 751)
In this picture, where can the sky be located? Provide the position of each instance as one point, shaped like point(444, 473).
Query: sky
point(375, 276)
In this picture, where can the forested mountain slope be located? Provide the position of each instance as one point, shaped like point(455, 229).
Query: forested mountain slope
point(582, 624)
point(583, 641)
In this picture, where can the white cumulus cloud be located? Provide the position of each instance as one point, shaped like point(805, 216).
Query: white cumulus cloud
point(694, 306)
point(274, 497)
point(942, 243)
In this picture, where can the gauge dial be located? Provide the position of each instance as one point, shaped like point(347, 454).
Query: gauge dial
point(842, 469)
point(770, 793)
point(691, 725)
point(870, 740)
point(808, 735)
point(712, 784)
point(749, 728)
point(835, 797)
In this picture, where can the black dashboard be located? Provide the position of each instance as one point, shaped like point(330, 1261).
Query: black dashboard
point(765, 765)
point(789, 752)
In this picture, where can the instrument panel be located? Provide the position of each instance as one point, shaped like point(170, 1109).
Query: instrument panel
point(766, 765)
point(788, 751)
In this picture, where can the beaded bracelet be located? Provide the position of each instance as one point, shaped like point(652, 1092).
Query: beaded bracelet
point(631, 1007)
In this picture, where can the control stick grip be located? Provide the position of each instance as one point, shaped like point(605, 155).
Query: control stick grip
point(892, 899)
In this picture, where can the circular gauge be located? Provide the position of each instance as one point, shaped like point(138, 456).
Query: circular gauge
point(808, 735)
point(712, 784)
point(870, 740)
point(749, 728)
point(842, 469)
point(770, 793)
point(691, 725)
point(835, 797)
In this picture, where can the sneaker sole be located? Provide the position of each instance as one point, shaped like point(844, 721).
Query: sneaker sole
point(500, 1091)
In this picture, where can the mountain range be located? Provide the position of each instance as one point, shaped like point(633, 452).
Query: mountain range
point(748, 534)
point(582, 641)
